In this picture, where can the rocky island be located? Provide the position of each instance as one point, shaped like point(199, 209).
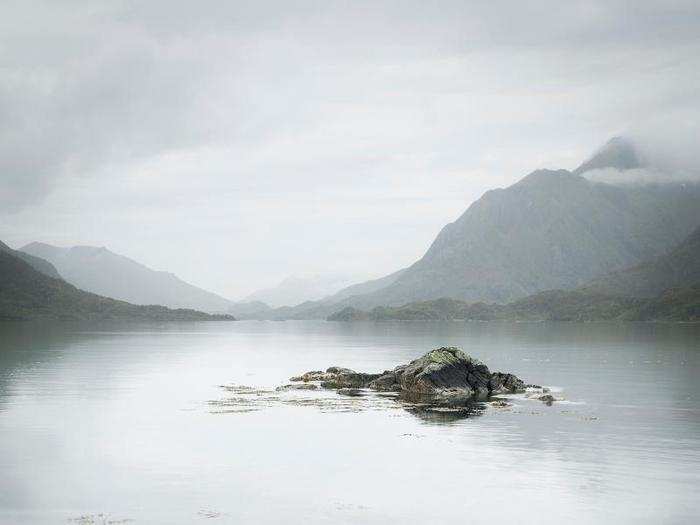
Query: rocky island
point(442, 377)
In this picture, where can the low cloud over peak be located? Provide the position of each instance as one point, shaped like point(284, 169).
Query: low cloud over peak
point(664, 152)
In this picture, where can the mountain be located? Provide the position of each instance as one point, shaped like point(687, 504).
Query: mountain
point(298, 289)
point(245, 309)
point(26, 293)
point(106, 273)
point(551, 230)
point(676, 269)
point(319, 309)
point(667, 288)
point(554, 229)
point(37, 263)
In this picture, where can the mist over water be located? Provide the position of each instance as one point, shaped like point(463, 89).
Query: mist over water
point(116, 419)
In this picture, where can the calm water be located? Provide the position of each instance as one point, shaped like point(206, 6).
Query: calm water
point(116, 420)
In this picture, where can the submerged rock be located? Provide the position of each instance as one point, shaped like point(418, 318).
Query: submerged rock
point(351, 392)
point(444, 376)
point(298, 386)
point(547, 399)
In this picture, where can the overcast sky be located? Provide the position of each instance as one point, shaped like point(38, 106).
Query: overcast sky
point(235, 143)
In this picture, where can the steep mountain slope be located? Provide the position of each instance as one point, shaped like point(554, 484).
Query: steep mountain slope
point(667, 288)
point(678, 268)
point(551, 230)
point(103, 272)
point(39, 264)
point(27, 294)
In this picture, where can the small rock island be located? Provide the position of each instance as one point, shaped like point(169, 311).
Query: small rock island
point(442, 377)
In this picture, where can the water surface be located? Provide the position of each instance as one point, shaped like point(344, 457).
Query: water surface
point(110, 422)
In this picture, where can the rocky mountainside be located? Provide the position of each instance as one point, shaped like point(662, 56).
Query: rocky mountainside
point(26, 293)
point(676, 269)
point(100, 271)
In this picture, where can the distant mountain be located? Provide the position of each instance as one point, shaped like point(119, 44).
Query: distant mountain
point(246, 309)
point(106, 273)
point(551, 230)
point(364, 287)
point(26, 294)
point(667, 288)
point(37, 263)
point(676, 269)
point(319, 309)
point(298, 289)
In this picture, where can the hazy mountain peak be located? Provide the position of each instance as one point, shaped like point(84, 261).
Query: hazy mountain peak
point(297, 289)
point(618, 153)
point(27, 292)
point(99, 270)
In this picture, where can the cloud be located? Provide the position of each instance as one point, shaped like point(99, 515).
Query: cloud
point(640, 176)
point(665, 144)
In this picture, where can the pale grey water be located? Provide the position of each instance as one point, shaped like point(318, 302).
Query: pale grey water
point(114, 419)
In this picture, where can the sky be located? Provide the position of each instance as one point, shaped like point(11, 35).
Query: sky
point(237, 143)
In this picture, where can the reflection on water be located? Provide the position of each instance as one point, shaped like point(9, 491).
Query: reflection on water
point(240, 399)
point(114, 422)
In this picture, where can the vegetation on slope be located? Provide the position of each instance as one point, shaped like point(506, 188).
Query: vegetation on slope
point(39, 264)
point(676, 305)
point(676, 269)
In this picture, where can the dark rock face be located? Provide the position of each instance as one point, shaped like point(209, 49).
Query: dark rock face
point(444, 376)
point(501, 383)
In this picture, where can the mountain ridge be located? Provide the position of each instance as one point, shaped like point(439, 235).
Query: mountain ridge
point(27, 294)
point(667, 288)
point(552, 229)
point(39, 264)
point(101, 271)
